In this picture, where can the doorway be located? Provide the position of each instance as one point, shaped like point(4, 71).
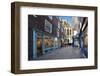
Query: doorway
point(39, 44)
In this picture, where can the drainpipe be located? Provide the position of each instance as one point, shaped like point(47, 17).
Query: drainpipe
point(34, 44)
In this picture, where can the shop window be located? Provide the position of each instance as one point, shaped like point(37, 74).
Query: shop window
point(48, 41)
point(39, 44)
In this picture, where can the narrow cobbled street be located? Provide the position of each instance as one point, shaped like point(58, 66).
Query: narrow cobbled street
point(67, 52)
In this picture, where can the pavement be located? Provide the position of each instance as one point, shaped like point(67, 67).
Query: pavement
point(67, 52)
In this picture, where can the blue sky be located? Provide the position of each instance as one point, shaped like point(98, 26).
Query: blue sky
point(68, 18)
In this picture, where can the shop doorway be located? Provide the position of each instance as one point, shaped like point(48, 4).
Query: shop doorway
point(39, 44)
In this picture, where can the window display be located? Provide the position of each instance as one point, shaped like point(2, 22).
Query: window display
point(48, 42)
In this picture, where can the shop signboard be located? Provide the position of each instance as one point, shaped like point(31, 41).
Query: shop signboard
point(48, 26)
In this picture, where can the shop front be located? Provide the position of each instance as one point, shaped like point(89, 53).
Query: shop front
point(48, 43)
point(36, 44)
point(42, 38)
point(84, 38)
point(43, 43)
